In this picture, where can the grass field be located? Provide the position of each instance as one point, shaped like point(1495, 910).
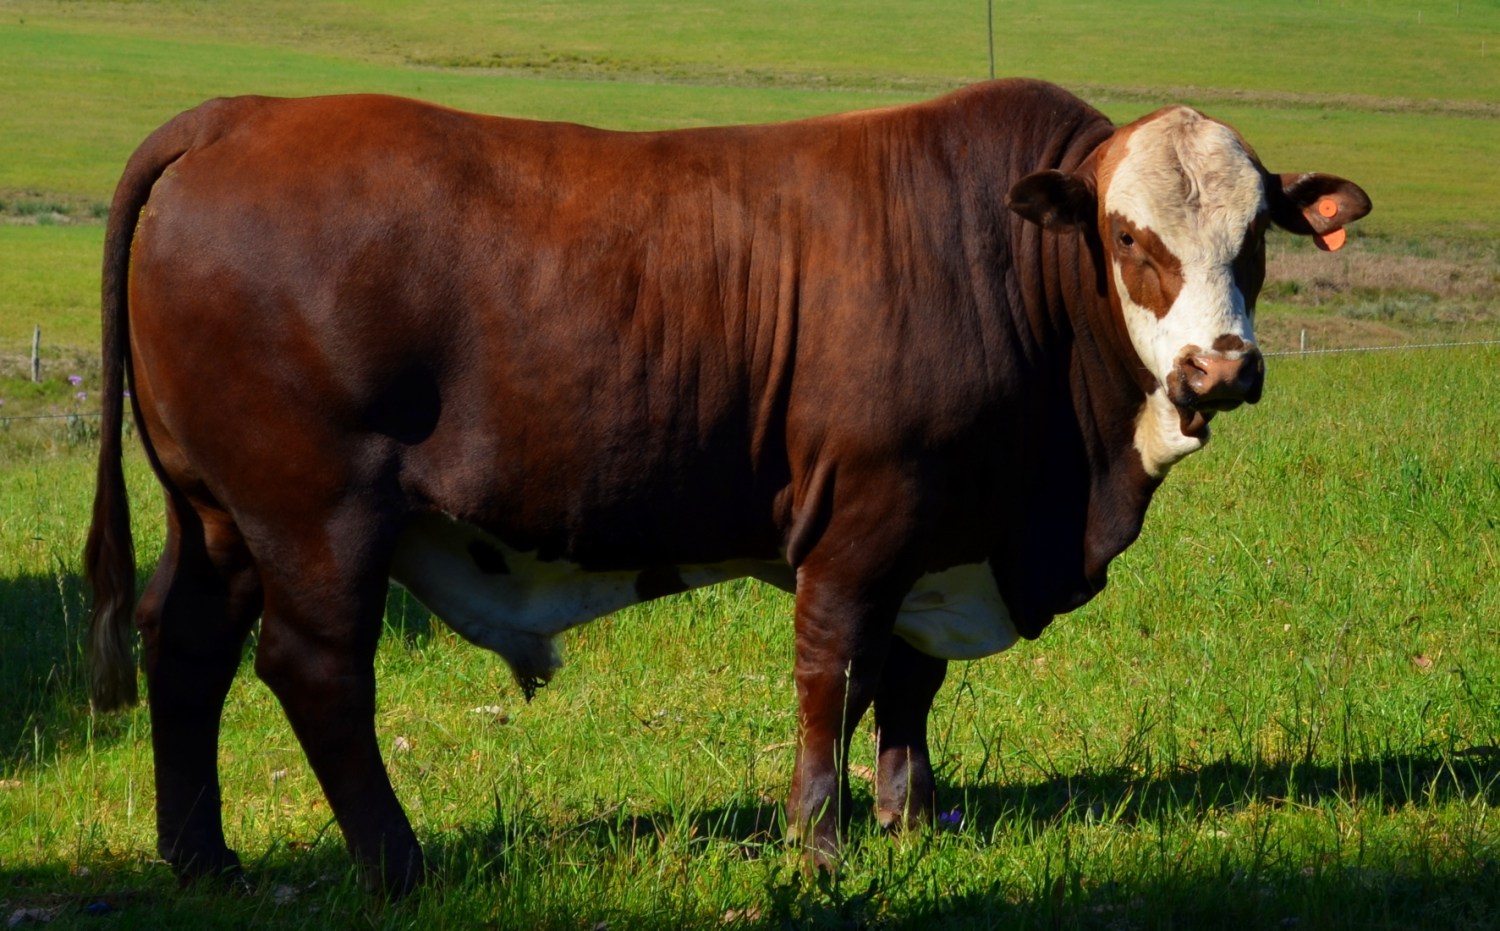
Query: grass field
point(1361, 88)
point(1283, 713)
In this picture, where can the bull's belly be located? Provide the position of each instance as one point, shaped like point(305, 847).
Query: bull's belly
point(957, 614)
point(516, 605)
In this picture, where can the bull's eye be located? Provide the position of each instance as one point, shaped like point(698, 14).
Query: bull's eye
point(1127, 240)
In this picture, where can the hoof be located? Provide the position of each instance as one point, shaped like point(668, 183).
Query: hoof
point(217, 866)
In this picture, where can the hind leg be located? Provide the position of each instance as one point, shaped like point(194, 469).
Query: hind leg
point(193, 619)
point(324, 605)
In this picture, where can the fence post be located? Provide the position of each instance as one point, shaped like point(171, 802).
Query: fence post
point(36, 354)
point(1304, 341)
point(989, 8)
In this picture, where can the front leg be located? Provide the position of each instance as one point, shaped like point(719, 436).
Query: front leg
point(905, 793)
point(843, 633)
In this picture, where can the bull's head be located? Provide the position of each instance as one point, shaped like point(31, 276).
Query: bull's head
point(1180, 204)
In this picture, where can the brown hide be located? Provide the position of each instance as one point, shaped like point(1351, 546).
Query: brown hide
point(588, 343)
point(827, 340)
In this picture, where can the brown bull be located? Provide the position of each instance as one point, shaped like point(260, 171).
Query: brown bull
point(923, 366)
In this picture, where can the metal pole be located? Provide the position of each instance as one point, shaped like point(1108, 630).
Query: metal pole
point(36, 354)
point(990, 16)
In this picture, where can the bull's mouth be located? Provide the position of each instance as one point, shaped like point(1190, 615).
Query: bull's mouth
point(1203, 383)
point(1195, 422)
point(1196, 414)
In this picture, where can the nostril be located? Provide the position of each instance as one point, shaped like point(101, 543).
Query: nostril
point(1218, 382)
point(1204, 372)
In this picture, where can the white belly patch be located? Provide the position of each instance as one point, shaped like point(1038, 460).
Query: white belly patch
point(516, 605)
point(957, 614)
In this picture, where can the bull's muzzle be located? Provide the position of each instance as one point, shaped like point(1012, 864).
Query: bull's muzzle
point(1217, 379)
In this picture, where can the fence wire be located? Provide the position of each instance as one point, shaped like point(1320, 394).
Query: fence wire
point(1284, 354)
point(1399, 348)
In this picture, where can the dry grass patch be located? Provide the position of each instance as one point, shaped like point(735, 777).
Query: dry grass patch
point(1450, 272)
point(1378, 293)
point(40, 208)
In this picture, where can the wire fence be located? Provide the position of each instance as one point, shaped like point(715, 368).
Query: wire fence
point(1282, 354)
point(1404, 347)
point(20, 417)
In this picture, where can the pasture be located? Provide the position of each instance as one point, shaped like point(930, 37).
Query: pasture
point(1284, 712)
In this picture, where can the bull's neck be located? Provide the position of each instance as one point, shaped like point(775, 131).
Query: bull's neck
point(1072, 386)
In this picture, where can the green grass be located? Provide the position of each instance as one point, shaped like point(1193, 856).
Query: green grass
point(1284, 712)
point(1352, 47)
point(1285, 708)
point(50, 277)
point(1360, 89)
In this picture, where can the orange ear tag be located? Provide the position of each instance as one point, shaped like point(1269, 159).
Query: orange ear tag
point(1333, 240)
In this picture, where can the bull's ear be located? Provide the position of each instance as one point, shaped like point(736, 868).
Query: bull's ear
point(1055, 200)
point(1316, 205)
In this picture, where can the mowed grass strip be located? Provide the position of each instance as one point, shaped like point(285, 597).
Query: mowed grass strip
point(1362, 88)
point(1337, 49)
point(86, 82)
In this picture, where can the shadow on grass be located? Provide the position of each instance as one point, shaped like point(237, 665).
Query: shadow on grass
point(517, 870)
point(1196, 792)
point(43, 689)
point(300, 888)
point(1187, 795)
point(1212, 891)
point(315, 889)
point(42, 619)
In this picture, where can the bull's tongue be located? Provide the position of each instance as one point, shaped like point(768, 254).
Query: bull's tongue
point(1194, 423)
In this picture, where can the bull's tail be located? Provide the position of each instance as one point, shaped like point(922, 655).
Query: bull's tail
point(109, 556)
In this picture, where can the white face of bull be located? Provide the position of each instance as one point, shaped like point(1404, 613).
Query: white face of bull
point(1181, 206)
point(1174, 207)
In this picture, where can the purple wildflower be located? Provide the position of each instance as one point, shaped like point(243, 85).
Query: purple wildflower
point(81, 396)
point(75, 380)
point(952, 818)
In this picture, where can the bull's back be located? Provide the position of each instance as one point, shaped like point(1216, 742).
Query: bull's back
point(539, 326)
